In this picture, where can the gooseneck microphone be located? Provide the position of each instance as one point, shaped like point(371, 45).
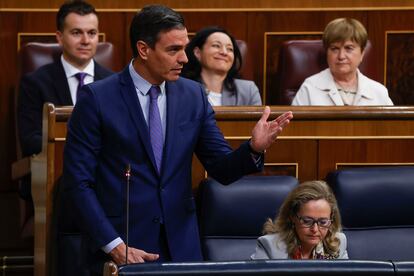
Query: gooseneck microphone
point(128, 176)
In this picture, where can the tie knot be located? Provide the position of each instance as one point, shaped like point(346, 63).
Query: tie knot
point(154, 92)
point(80, 76)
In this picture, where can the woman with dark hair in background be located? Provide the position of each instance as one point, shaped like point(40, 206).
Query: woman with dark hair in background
point(214, 59)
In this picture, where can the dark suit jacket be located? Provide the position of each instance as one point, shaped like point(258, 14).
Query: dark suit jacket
point(47, 84)
point(107, 131)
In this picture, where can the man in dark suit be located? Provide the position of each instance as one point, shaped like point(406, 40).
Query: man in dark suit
point(77, 33)
point(150, 120)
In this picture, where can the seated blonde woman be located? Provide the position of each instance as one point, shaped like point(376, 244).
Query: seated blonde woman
point(344, 40)
point(308, 226)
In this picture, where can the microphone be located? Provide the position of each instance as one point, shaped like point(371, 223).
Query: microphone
point(128, 176)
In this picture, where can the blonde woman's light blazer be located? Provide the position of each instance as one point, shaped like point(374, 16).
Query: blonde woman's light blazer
point(272, 247)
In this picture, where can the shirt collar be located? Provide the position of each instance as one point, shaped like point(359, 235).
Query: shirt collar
point(71, 70)
point(142, 85)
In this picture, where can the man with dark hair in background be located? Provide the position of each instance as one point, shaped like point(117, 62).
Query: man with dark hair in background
point(57, 83)
point(147, 122)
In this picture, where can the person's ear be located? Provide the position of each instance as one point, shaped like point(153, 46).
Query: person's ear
point(143, 49)
point(197, 53)
point(362, 55)
point(59, 37)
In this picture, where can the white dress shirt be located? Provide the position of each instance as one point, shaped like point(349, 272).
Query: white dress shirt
point(73, 82)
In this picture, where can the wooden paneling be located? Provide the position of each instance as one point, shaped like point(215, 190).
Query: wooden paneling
point(11, 239)
point(115, 26)
point(318, 139)
point(295, 158)
point(369, 152)
point(235, 22)
point(303, 153)
point(7, 81)
point(400, 57)
point(399, 65)
point(35, 21)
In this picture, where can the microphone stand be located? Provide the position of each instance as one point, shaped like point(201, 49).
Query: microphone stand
point(128, 176)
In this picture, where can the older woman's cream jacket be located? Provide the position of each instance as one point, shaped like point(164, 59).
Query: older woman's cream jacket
point(320, 89)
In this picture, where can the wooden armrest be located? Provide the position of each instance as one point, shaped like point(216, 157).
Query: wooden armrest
point(21, 168)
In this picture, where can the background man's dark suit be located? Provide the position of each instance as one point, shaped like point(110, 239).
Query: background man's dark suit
point(47, 84)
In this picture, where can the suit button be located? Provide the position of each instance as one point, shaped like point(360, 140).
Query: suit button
point(161, 189)
point(156, 220)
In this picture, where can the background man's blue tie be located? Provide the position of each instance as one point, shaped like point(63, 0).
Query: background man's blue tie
point(155, 126)
point(81, 77)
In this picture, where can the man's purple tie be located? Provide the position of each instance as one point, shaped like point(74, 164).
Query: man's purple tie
point(155, 126)
point(81, 77)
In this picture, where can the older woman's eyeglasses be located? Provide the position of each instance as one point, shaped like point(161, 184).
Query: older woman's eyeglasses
point(309, 222)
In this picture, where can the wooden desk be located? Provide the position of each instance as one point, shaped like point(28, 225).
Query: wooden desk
point(318, 140)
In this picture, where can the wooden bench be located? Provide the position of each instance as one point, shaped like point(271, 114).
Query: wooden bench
point(318, 140)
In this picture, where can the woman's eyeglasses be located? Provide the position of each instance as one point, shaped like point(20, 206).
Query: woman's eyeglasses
point(309, 222)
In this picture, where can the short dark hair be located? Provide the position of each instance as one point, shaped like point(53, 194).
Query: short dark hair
point(148, 23)
point(192, 69)
point(76, 6)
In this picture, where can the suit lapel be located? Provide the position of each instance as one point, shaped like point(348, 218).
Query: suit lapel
point(129, 94)
point(326, 83)
point(172, 102)
point(333, 91)
point(364, 91)
point(335, 97)
point(60, 84)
